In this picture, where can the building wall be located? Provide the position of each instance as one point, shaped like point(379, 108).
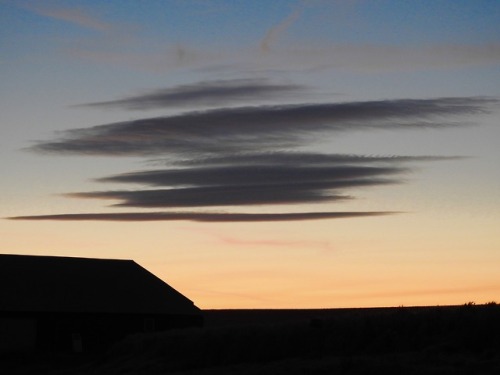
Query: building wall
point(17, 334)
point(73, 332)
point(96, 332)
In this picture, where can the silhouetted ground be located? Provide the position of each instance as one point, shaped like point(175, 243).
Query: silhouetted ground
point(404, 340)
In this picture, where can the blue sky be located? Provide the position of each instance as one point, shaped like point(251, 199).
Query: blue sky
point(381, 115)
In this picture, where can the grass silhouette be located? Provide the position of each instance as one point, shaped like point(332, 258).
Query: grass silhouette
point(410, 340)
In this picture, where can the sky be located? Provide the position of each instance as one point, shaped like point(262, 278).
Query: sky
point(259, 154)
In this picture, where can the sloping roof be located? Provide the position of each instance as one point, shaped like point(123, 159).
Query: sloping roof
point(83, 285)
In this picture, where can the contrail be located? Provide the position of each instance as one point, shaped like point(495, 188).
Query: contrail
point(274, 32)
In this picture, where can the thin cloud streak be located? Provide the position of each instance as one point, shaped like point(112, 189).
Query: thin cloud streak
point(358, 58)
point(325, 245)
point(207, 93)
point(204, 217)
point(276, 31)
point(368, 58)
point(265, 127)
point(75, 16)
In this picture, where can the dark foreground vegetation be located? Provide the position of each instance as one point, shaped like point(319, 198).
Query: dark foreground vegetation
point(404, 340)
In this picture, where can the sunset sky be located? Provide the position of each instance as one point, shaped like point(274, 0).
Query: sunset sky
point(259, 154)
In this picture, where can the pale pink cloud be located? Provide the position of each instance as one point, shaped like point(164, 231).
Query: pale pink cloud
point(275, 243)
point(261, 242)
point(276, 31)
point(430, 291)
point(75, 16)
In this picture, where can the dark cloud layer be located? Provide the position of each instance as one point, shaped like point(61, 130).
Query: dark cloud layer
point(266, 128)
point(244, 185)
point(252, 175)
point(203, 217)
point(221, 195)
point(235, 157)
point(208, 93)
point(300, 159)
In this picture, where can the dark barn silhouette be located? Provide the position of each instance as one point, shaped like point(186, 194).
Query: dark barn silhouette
point(52, 303)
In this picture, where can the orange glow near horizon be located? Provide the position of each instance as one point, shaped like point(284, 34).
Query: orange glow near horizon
point(322, 264)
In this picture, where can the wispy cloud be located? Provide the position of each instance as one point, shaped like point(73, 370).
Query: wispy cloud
point(404, 292)
point(276, 31)
point(203, 217)
point(368, 58)
point(76, 16)
point(208, 93)
point(266, 54)
point(267, 128)
point(358, 58)
point(233, 241)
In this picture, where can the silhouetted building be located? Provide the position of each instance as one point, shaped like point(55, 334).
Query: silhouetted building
point(80, 304)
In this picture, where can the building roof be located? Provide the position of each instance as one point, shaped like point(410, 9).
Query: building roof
point(83, 285)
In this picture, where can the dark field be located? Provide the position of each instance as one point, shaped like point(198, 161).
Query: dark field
point(404, 340)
